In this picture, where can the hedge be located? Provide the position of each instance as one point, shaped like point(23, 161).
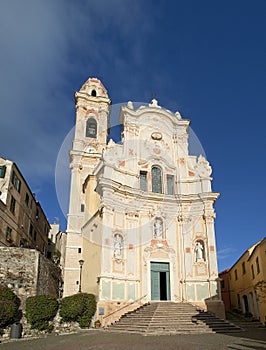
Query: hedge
point(41, 309)
point(78, 307)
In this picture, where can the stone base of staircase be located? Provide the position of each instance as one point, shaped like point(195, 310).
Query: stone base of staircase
point(165, 318)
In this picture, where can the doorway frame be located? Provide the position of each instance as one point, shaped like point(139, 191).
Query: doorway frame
point(149, 279)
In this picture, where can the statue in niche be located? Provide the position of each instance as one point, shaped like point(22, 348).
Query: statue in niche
point(118, 246)
point(158, 228)
point(199, 251)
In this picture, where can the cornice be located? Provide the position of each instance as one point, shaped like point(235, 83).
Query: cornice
point(155, 197)
point(88, 98)
point(159, 111)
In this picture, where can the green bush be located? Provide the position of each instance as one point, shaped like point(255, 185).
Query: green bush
point(41, 309)
point(9, 306)
point(7, 312)
point(7, 294)
point(78, 307)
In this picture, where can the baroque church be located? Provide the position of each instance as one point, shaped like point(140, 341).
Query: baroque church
point(141, 212)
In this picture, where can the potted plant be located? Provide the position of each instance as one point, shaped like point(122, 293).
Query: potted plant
point(97, 324)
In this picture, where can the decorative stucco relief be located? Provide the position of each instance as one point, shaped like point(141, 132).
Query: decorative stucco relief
point(203, 168)
point(159, 251)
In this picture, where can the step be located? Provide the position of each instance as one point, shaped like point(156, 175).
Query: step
point(171, 318)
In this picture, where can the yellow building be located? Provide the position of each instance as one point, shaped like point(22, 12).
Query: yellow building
point(247, 279)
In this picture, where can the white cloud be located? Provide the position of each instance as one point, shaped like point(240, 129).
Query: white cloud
point(226, 253)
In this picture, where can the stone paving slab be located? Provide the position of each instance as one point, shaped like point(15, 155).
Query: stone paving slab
point(98, 339)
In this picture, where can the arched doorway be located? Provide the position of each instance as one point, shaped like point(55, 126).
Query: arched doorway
point(257, 305)
point(245, 304)
point(251, 303)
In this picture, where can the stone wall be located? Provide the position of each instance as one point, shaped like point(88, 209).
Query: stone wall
point(27, 272)
point(49, 277)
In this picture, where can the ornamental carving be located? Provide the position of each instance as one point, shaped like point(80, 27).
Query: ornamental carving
point(118, 246)
point(209, 217)
point(203, 168)
point(160, 249)
point(158, 228)
point(183, 218)
point(156, 136)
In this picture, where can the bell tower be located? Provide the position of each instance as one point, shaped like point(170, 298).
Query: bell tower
point(92, 117)
point(91, 131)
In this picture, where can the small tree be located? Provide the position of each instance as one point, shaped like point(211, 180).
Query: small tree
point(79, 308)
point(41, 309)
point(9, 306)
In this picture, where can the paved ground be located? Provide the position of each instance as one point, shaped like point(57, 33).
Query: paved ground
point(93, 339)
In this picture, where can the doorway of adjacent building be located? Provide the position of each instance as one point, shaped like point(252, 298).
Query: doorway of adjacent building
point(160, 281)
point(245, 304)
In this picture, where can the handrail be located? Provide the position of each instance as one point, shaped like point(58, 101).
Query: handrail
point(123, 307)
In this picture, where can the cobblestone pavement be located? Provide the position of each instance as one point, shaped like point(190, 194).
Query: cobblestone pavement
point(93, 339)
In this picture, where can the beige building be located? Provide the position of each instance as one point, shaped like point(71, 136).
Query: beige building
point(57, 246)
point(247, 282)
point(23, 222)
point(141, 216)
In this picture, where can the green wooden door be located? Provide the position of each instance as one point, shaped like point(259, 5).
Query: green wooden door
point(168, 285)
point(160, 281)
point(155, 285)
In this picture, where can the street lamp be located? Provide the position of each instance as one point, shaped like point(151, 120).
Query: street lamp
point(81, 262)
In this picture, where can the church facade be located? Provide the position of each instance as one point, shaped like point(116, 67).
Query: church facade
point(141, 213)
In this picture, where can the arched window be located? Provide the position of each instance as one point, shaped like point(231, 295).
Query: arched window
point(91, 128)
point(156, 178)
point(93, 93)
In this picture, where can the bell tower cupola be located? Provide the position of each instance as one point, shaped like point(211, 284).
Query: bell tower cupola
point(92, 117)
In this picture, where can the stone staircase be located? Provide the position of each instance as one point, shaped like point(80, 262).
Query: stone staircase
point(162, 318)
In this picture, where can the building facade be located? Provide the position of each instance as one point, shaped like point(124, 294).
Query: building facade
point(23, 222)
point(225, 289)
point(245, 286)
point(141, 215)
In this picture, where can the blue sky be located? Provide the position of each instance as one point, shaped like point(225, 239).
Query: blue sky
point(206, 59)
